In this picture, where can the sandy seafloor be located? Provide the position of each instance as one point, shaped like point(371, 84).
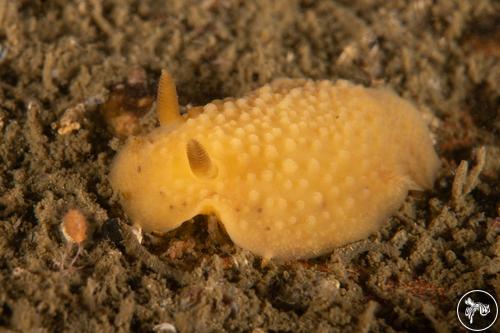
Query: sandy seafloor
point(60, 61)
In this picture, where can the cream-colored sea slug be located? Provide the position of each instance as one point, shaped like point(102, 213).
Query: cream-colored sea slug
point(292, 170)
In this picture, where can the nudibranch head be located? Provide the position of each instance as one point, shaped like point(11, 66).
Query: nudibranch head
point(292, 170)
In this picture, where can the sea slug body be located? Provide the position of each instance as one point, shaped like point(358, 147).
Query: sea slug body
point(292, 170)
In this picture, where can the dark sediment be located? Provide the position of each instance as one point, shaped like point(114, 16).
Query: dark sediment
point(60, 61)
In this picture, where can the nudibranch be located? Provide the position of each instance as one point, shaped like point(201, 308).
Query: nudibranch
point(291, 170)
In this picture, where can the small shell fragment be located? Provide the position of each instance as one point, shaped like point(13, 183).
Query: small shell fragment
point(74, 226)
